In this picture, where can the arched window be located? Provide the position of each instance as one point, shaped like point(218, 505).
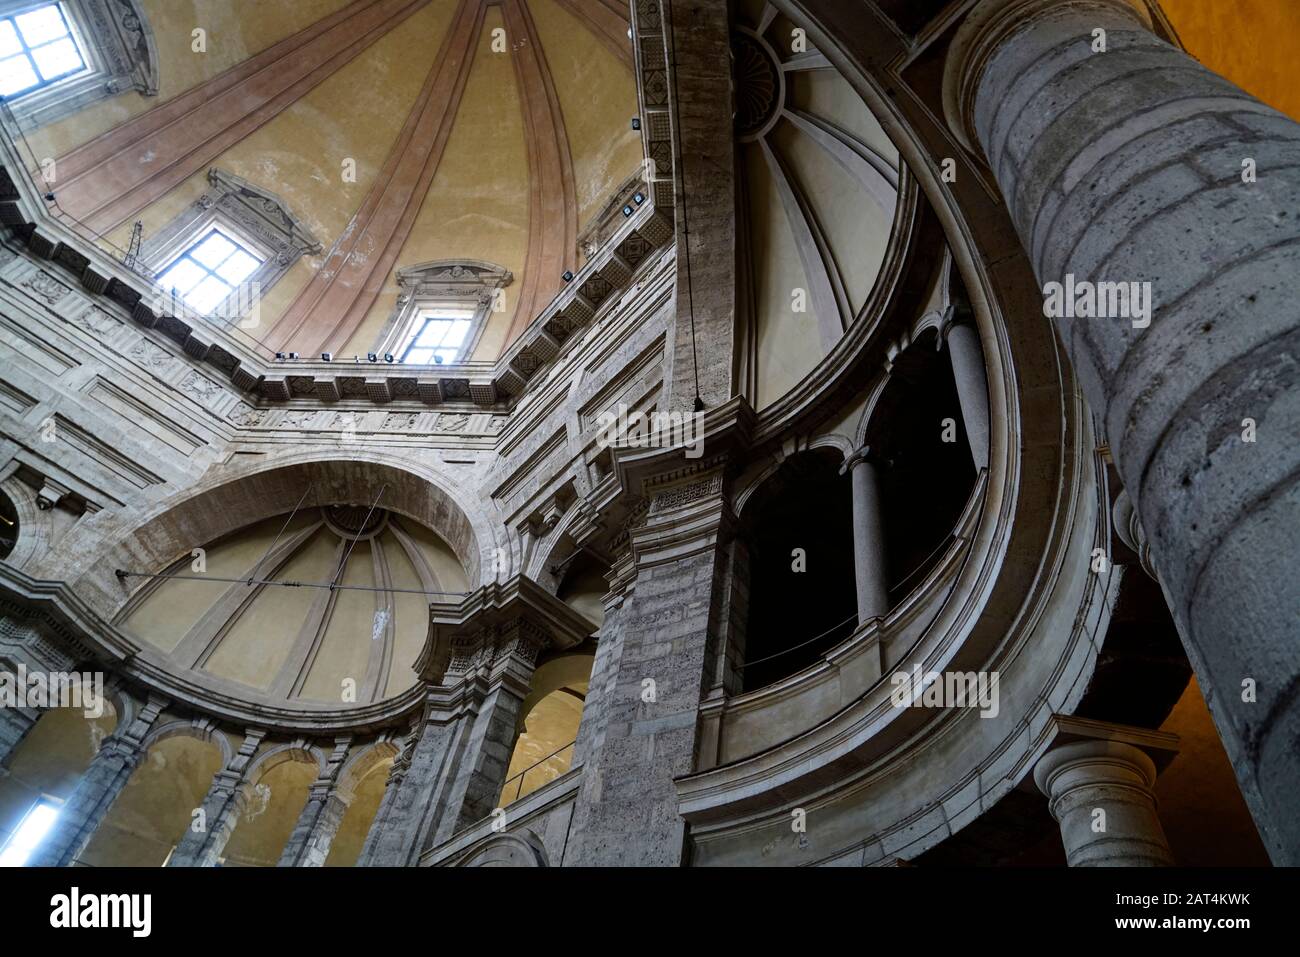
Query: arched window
point(59, 57)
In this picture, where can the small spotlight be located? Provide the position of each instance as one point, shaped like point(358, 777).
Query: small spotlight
point(388, 357)
point(639, 198)
point(437, 360)
point(568, 276)
point(636, 122)
point(628, 211)
point(280, 357)
point(327, 357)
point(293, 355)
point(371, 357)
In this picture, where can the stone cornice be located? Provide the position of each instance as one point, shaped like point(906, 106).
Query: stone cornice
point(115, 287)
point(495, 611)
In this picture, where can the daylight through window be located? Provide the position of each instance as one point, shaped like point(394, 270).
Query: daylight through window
point(209, 271)
point(437, 336)
point(36, 49)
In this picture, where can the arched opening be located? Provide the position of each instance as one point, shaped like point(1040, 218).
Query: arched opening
point(8, 526)
point(275, 801)
point(365, 797)
point(156, 808)
point(798, 527)
point(49, 762)
point(923, 460)
point(548, 724)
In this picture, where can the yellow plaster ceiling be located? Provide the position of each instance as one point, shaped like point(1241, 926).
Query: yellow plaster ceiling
point(480, 201)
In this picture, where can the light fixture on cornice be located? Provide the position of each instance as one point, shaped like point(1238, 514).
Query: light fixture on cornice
point(636, 122)
point(568, 276)
point(638, 198)
point(628, 211)
point(327, 357)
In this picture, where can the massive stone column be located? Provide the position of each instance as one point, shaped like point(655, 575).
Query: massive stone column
point(1124, 162)
point(627, 811)
point(1100, 794)
point(967, 360)
point(109, 771)
point(868, 537)
point(478, 665)
point(226, 800)
point(309, 844)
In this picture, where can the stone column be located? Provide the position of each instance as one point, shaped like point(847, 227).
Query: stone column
point(1100, 794)
point(649, 732)
point(490, 741)
point(478, 665)
point(967, 360)
point(609, 649)
point(109, 771)
point(868, 537)
point(378, 827)
point(225, 802)
point(309, 844)
point(23, 645)
point(1153, 192)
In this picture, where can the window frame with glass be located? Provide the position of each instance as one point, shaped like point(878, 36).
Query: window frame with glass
point(116, 48)
point(206, 256)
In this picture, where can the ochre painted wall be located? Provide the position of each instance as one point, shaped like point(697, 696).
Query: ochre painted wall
point(1254, 43)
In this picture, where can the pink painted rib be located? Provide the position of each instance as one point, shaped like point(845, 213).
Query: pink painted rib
point(119, 173)
point(334, 303)
point(553, 203)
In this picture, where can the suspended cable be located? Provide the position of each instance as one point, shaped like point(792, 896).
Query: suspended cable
point(271, 547)
point(364, 522)
point(833, 628)
point(122, 573)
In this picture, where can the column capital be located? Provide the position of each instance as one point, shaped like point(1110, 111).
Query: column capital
point(1090, 763)
point(857, 457)
point(980, 35)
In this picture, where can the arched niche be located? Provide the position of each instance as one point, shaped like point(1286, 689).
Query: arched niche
point(50, 760)
point(279, 782)
point(174, 527)
point(548, 723)
point(244, 619)
point(797, 528)
point(156, 808)
point(362, 783)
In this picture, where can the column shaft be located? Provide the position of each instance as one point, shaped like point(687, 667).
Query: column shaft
point(1157, 202)
point(109, 771)
point(309, 844)
point(225, 801)
point(868, 540)
point(648, 730)
point(967, 360)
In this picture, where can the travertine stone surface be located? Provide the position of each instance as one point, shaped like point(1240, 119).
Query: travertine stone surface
point(1130, 166)
point(652, 692)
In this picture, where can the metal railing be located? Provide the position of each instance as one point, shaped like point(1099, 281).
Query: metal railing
point(519, 780)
